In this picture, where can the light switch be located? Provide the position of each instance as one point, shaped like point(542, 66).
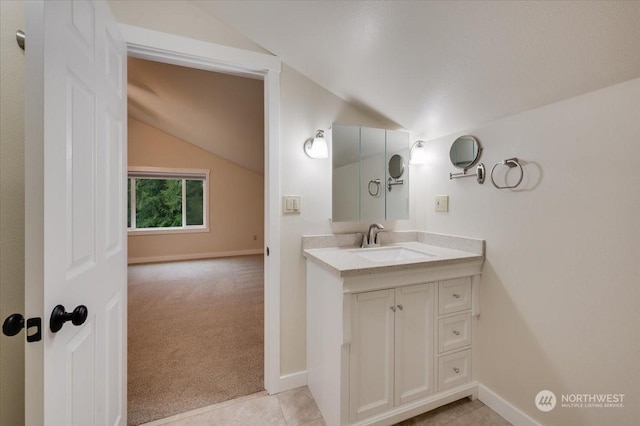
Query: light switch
point(291, 204)
point(442, 203)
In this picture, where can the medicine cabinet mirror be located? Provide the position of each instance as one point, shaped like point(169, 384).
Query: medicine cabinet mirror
point(370, 180)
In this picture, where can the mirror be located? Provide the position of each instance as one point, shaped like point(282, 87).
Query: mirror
point(396, 166)
point(464, 152)
point(345, 153)
point(366, 166)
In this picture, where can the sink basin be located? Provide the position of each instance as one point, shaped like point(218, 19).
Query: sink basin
point(390, 254)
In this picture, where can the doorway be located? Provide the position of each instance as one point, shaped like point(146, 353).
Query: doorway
point(147, 44)
point(195, 193)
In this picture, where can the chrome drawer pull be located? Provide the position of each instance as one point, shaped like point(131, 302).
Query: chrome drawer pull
point(456, 332)
point(456, 370)
point(456, 295)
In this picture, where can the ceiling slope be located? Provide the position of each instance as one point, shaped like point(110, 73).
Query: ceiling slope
point(438, 67)
point(221, 113)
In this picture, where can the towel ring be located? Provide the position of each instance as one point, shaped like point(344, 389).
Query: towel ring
point(374, 187)
point(511, 163)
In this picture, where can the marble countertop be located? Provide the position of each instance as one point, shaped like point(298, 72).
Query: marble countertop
point(439, 250)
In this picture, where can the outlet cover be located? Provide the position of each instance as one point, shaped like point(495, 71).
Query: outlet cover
point(442, 203)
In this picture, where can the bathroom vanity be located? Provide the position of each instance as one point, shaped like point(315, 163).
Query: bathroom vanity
point(389, 329)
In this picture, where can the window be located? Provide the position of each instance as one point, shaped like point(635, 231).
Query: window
point(167, 200)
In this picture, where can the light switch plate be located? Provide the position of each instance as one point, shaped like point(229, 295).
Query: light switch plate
point(291, 204)
point(442, 203)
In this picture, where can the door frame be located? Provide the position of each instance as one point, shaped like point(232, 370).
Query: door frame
point(178, 50)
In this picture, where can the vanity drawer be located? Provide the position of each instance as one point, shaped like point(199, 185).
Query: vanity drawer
point(454, 332)
point(454, 369)
point(454, 295)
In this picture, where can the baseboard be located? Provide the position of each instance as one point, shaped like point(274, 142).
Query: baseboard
point(488, 397)
point(292, 381)
point(193, 256)
point(501, 406)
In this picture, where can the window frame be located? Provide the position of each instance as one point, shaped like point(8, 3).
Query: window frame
point(170, 173)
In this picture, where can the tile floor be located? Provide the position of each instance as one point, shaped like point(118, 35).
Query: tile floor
point(297, 408)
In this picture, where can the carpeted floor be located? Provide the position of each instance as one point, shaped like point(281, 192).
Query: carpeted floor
point(196, 334)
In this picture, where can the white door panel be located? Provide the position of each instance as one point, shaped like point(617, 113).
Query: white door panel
point(372, 352)
point(414, 343)
point(82, 249)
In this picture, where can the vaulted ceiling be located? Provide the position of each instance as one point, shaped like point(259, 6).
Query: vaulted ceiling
point(438, 67)
point(221, 113)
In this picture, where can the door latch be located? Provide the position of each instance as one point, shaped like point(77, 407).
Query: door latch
point(14, 323)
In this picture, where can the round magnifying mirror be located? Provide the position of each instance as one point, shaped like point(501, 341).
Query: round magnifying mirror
point(464, 152)
point(396, 166)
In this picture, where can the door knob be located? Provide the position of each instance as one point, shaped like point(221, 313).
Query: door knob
point(14, 323)
point(59, 316)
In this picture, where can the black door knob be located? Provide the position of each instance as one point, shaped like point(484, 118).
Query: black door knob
point(12, 325)
point(59, 316)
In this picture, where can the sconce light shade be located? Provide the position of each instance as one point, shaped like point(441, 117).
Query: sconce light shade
point(316, 147)
point(418, 153)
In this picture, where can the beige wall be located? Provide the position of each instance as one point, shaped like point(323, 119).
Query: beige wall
point(236, 199)
point(560, 291)
point(11, 210)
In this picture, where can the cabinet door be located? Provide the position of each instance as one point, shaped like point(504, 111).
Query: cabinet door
point(414, 342)
point(371, 358)
point(372, 167)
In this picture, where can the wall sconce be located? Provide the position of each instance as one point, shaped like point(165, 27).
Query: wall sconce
point(418, 153)
point(316, 147)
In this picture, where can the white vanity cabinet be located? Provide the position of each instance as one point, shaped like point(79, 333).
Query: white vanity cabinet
point(390, 360)
point(384, 347)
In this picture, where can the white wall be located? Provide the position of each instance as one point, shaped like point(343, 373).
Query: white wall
point(305, 107)
point(11, 210)
point(560, 290)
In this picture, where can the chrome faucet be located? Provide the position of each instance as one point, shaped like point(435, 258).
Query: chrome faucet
point(371, 239)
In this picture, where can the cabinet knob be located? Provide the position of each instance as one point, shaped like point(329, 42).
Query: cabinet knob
point(456, 295)
point(393, 308)
point(456, 332)
point(456, 370)
point(400, 307)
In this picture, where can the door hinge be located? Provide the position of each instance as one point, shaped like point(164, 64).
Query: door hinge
point(21, 39)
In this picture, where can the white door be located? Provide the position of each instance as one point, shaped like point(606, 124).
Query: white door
point(75, 154)
point(371, 358)
point(414, 342)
